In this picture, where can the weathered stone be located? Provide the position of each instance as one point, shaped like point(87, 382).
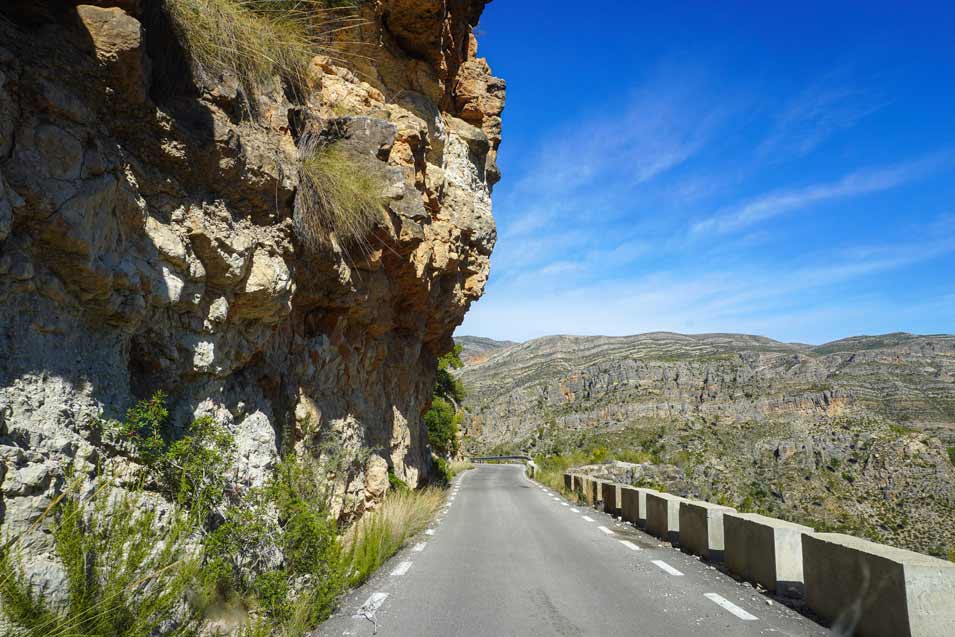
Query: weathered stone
point(118, 39)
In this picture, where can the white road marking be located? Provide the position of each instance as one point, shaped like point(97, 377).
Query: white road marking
point(730, 606)
point(429, 532)
point(371, 605)
point(564, 504)
point(630, 545)
point(401, 569)
point(666, 567)
point(605, 530)
point(589, 519)
point(575, 510)
point(419, 547)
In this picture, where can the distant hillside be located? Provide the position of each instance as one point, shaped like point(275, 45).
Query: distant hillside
point(586, 381)
point(475, 349)
point(849, 435)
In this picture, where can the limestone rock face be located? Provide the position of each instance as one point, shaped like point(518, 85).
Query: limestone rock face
point(147, 241)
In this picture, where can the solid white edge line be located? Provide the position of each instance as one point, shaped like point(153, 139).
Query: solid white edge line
point(429, 532)
point(630, 545)
point(401, 569)
point(663, 566)
point(589, 519)
point(730, 606)
point(605, 530)
point(419, 547)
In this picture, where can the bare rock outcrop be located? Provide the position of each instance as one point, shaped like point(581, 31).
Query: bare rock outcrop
point(147, 240)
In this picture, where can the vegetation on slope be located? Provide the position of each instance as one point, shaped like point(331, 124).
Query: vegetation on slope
point(444, 417)
point(865, 477)
point(271, 554)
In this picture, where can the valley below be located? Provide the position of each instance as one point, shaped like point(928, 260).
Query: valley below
point(856, 436)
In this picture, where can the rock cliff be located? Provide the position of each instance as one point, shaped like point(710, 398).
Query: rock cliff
point(147, 239)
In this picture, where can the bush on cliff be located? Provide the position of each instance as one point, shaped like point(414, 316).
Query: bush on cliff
point(443, 418)
point(337, 195)
point(260, 39)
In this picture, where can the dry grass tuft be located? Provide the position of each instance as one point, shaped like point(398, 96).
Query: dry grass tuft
point(337, 195)
point(379, 535)
point(260, 39)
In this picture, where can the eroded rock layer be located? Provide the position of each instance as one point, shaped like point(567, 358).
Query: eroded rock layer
point(147, 240)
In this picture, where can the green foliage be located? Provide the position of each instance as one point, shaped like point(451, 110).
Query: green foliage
point(951, 454)
point(127, 571)
point(143, 429)
point(272, 592)
point(395, 483)
point(446, 385)
point(337, 195)
point(441, 422)
point(196, 466)
point(443, 470)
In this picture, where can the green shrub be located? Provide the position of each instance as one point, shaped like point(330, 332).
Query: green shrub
point(196, 465)
point(395, 483)
point(127, 572)
point(337, 195)
point(951, 454)
point(443, 470)
point(441, 423)
point(143, 431)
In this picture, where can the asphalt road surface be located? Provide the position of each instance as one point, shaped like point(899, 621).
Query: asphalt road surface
point(509, 557)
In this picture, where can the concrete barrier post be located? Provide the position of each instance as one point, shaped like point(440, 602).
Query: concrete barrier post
point(642, 506)
point(569, 481)
point(610, 494)
point(663, 516)
point(874, 590)
point(701, 529)
point(765, 550)
point(630, 504)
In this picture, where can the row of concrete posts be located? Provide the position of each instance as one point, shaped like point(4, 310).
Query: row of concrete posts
point(857, 586)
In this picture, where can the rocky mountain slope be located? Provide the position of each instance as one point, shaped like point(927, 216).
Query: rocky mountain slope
point(579, 382)
point(476, 348)
point(148, 239)
point(856, 435)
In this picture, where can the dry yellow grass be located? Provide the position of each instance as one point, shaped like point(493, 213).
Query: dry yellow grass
point(259, 39)
point(336, 194)
point(379, 535)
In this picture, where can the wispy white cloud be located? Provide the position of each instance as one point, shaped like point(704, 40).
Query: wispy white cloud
point(832, 104)
point(774, 204)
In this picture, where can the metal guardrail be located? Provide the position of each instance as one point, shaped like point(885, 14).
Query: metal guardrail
point(486, 458)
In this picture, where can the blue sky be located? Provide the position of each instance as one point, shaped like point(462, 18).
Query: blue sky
point(732, 167)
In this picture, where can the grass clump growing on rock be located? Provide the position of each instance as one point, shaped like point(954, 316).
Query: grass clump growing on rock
point(339, 195)
point(258, 40)
point(379, 534)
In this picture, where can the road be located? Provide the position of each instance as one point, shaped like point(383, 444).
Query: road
point(511, 558)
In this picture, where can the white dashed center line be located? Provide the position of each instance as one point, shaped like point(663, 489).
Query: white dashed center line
point(630, 545)
point(589, 519)
point(564, 504)
point(371, 605)
point(575, 510)
point(663, 566)
point(730, 606)
point(605, 530)
point(419, 547)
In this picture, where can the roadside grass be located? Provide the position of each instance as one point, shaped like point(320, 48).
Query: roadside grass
point(460, 466)
point(336, 195)
point(380, 534)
